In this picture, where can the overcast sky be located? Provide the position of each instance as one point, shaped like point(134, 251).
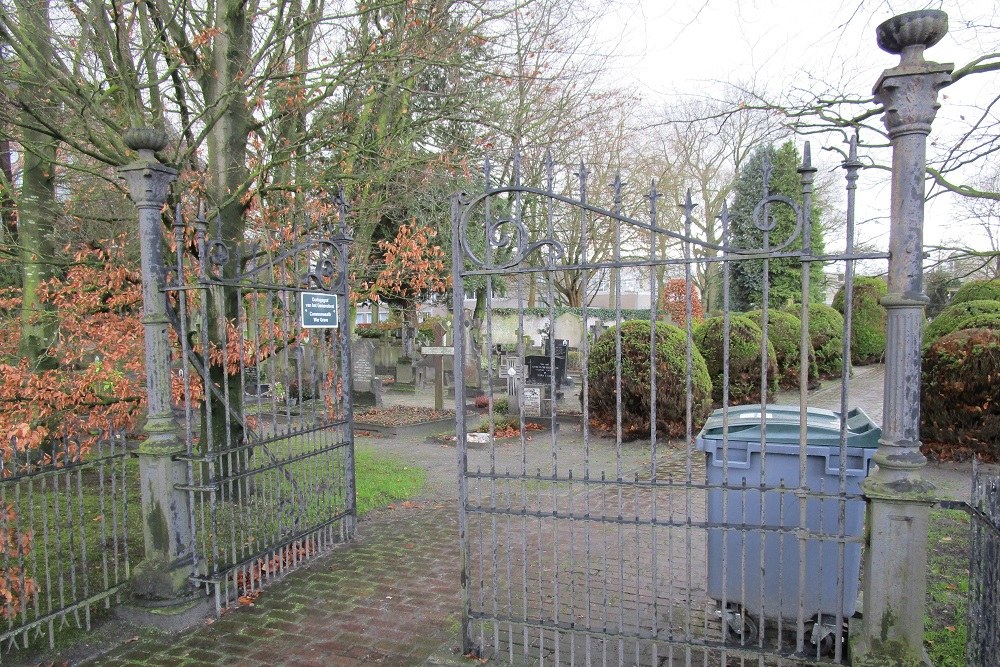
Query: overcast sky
point(689, 47)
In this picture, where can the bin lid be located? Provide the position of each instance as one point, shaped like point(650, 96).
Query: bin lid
point(822, 426)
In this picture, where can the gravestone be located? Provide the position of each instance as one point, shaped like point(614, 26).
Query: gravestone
point(251, 381)
point(562, 346)
point(540, 369)
point(363, 365)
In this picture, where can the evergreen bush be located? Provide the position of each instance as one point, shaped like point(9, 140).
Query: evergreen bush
point(636, 402)
point(784, 331)
point(952, 317)
point(959, 396)
point(826, 332)
point(744, 358)
point(977, 290)
point(868, 319)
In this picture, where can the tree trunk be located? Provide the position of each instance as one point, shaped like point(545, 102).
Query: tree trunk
point(36, 216)
point(229, 178)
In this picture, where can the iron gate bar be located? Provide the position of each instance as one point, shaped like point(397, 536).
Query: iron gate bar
point(503, 526)
point(596, 266)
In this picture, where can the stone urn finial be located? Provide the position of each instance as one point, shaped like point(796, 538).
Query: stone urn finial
point(909, 34)
point(145, 140)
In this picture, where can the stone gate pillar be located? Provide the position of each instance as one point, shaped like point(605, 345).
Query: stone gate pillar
point(898, 497)
point(161, 579)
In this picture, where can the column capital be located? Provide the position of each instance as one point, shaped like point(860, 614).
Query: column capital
point(908, 95)
point(908, 92)
point(148, 179)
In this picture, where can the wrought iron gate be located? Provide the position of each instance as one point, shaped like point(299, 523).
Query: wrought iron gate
point(265, 391)
point(593, 540)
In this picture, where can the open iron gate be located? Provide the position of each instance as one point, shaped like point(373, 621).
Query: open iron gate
point(590, 542)
point(265, 392)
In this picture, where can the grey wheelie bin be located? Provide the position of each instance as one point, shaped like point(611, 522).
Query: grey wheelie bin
point(753, 551)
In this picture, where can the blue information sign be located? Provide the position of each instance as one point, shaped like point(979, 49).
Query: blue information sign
point(319, 310)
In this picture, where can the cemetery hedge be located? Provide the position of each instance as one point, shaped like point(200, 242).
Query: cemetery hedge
point(977, 290)
point(784, 332)
point(958, 392)
point(744, 358)
point(826, 332)
point(868, 319)
point(636, 403)
point(953, 317)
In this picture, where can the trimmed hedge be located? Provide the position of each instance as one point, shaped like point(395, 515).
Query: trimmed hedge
point(784, 332)
point(744, 358)
point(636, 401)
point(868, 319)
point(953, 316)
point(826, 331)
point(959, 418)
point(977, 290)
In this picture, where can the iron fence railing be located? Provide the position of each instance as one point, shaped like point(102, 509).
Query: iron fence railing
point(983, 645)
point(267, 412)
point(66, 534)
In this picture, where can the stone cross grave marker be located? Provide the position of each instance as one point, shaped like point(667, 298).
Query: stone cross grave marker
point(438, 351)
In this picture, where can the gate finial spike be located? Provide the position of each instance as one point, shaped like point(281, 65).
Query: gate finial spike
point(688, 205)
point(807, 155)
point(852, 154)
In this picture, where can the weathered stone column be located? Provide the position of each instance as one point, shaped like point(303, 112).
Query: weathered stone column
point(161, 578)
point(898, 496)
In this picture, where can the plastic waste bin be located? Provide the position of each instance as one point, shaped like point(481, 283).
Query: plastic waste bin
point(753, 551)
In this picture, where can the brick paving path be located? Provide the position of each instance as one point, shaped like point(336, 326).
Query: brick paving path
point(390, 597)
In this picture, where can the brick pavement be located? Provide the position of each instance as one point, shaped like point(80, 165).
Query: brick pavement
point(391, 597)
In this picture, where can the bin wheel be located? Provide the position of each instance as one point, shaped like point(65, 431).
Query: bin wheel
point(825, 637)
point(739, 626)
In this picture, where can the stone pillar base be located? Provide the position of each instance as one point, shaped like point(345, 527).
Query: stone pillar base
point(170, 616)
point(895, 582)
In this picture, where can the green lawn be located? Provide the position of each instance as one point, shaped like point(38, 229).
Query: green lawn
point(70, 506)
point(947, 587)
point(382, 479)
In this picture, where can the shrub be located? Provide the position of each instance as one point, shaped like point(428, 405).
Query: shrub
point(977, 290)
point(367, 331)
point(784, 331)
point(826, 332)
point(868, 319)
point(954, 315)
point(501, 406)
point(674, 302)
point(983, 321)
point(959, 395)
point(744, 358)
point(671, 396)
